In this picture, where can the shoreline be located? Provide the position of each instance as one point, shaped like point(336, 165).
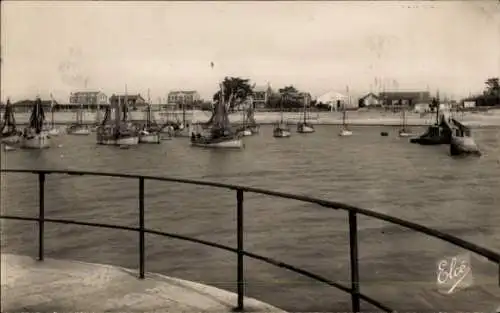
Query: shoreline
point(354, 118)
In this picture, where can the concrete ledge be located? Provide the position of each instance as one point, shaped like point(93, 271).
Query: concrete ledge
point(72, 286)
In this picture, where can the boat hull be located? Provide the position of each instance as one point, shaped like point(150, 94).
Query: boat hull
point(81, 132)
point(36, 141)
point(463, 146)
point(53, 132)
point(404, 134)
point(345, 133)
point(234, 143)
point(11, 139)
point(281, 133)
point(124, 141)
point(246, 132)
point(149, 138)
point(305, 130)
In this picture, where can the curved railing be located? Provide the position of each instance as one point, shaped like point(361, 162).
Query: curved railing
point(353, 289)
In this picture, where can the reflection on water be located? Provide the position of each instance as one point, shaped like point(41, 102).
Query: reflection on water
point(386, 174)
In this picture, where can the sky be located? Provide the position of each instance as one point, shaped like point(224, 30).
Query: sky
point(56, 47)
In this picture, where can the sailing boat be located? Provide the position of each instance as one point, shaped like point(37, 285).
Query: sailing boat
point(182, 129)
point(9, 134)
point(53, 131)
point(33, 136)
point(150, 133)
point(437, 134)
point(305, 127)
point(244, 129)
point(118, 132)
point(404, 131)
point(219, 133)
point(79, 128)
point(281, 129)
point(344, 131)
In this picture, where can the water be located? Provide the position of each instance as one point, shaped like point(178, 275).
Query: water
point(386, 174)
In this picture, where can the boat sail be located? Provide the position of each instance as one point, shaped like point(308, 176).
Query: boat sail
point(182, 129)
point(404, 131)
point(218, 133)
point(118, 132)
point(79, 128)
point(9, 134)
point(281, 129)
point(150, 132)
point(304, 126)
point(249, 125)
point(34, 137)
point(52, 130)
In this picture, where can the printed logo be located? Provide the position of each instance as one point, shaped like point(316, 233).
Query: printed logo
point(454, 273)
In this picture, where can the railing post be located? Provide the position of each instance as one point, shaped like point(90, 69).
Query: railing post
point(239, 225)
point(353, 249)
point(41, 213)
point(141, 228)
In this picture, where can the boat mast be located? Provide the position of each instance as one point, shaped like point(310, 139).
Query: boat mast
point(281, 107)
point(305, 109)
point(148, 116)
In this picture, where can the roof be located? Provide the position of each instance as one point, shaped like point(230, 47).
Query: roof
point(330, 97)
point(260, 88)
point(405, 94)
point(32, 102)
point(77, 93)
point(368, 95)
point(183, 92)
point(137, 96)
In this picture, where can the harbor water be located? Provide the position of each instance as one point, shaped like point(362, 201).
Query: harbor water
point(422, 184)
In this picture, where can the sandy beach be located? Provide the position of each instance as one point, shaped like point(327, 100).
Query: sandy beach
point(358, 118)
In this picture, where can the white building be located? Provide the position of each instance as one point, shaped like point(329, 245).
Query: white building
point(336, 100)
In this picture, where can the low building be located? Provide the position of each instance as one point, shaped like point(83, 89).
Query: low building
point(183, 98)
point(336, 101)
point(369, 100)
point(405, 98)
point(135, 102)
point(88, 99)
point(27, 105)
point(260, 96)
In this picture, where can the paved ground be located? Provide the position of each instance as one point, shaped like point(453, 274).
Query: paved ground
point(71, 286)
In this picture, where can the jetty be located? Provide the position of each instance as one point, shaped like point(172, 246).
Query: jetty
point(53, 285)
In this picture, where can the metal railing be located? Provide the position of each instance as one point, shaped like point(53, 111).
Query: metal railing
point(353, 289)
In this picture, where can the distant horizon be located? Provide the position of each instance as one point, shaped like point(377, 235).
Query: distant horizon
point(450, 46)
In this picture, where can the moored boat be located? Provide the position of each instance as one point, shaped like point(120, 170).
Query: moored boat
point(281, 129)
point(462, 142)
point(79, 129)
point(405, 131)
point(437, 134)
point(219, 133)
point(304, 126)
point(118, 132)
point(34, 137)
point(9, 134)
point(150, 133)
point(344, 130)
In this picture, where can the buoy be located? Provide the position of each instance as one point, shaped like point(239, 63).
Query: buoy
point(384, 134)
point(59, 146)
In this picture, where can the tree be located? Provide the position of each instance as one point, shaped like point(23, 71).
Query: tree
point(238, 87)
point(492, 87)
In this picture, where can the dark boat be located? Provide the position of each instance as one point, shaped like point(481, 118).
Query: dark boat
point(437, 134)
point(462, 142)
point(8, 130)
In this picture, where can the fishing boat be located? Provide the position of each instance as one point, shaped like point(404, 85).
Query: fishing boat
point(52, 129)
point(79, 129)
point(462, 142)
point(248, 126)
point(281, 129)
point(181, 128)
point(344, 130)
point(304, 126)
point(405, 131)
point(9, 134)
point(150, 132)
point(34, 137)
point(119, 131)
point(217, 132)
point(437, 134)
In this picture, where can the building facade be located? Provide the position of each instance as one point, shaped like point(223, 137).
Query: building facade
point(135, 102)
point(369, 100)
point(89, 99)
point(405, 98)
point(183, 97)
point(260, 96)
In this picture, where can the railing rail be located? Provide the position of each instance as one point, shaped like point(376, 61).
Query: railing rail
point(353, 289)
